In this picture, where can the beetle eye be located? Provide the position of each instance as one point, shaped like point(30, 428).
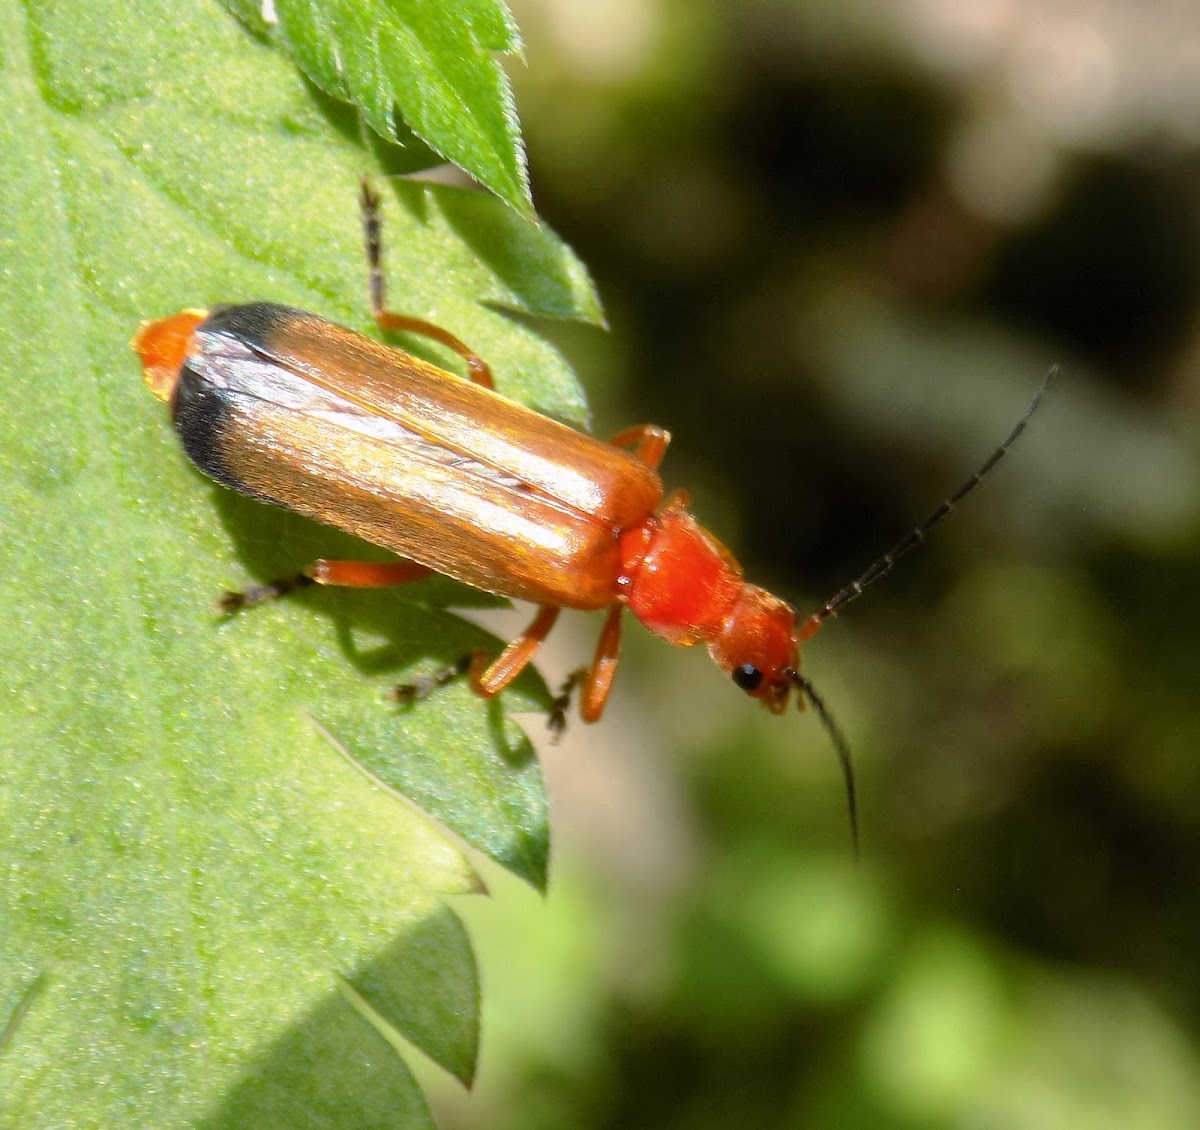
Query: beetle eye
point(747, 677)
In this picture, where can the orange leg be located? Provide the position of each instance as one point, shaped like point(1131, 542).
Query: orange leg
point(477, 369)
point(648, 441)
point(604, 667)
point(351, 574)
point(366, 574)
point(516, 657)
point(596, 680)
point(487, 680)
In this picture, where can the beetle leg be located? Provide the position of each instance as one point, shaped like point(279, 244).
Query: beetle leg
point(596, 680)
point(366, 574)
point(487, 680)
point(421, 688)
point(516, 657)
point(351, 574)
point(477, 369)
point(648, 441)
point(251, 595)
point(604, 667)
point(556, 721)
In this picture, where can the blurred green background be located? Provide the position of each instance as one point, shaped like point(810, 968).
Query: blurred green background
point(839, 244)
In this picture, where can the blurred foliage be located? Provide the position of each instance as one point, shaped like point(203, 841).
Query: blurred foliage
point(839, 245)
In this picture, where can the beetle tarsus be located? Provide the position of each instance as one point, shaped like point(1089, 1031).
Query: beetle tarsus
point(560, 705)
point(232, 602)
point(408, 693)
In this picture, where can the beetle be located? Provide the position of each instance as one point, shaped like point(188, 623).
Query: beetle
point(453, 477)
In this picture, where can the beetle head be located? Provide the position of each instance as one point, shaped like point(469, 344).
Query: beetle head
point(757, 647)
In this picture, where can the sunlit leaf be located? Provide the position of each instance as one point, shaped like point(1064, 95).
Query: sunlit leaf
point(212, 914)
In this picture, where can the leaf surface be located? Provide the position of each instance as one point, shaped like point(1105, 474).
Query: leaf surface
point(212, 915)
point(416, 69)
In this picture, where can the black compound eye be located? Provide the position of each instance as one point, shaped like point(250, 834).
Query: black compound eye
point(747, 677)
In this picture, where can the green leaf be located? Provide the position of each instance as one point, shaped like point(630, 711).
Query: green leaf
point(426, 62)
point(213, 914)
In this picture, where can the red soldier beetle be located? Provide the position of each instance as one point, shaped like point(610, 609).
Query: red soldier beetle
point(456, 479)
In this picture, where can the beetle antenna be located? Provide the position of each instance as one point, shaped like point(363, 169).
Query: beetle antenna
point(840, 745)
point(884, 565)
